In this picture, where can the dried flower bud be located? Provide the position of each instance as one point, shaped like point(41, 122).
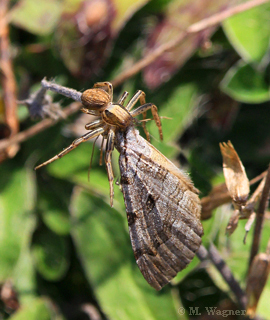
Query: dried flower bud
point(256, 281)
point(235, 174)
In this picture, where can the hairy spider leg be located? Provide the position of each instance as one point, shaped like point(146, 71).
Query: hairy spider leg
point(94, 124)
point(107, 85)
point(108, 161)
point(140, 95)
point(142, 109)
point(123, 97)
point(75, 143)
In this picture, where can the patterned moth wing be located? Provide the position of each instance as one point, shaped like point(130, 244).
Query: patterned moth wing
point(163, 209)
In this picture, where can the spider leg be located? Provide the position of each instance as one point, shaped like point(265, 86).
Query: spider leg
point(108, 161)
point(94, 124)
point(107, 85)
point(142, 109)
point(138, 95)
point(75, 143)
point(123, 97)
point(91, 112)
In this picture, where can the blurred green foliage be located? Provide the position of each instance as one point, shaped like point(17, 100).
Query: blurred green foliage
point(62, 246)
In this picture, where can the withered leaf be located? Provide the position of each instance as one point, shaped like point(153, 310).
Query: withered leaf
point(235, 174)
point(177, 17)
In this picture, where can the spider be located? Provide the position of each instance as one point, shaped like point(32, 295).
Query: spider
point(98, 101)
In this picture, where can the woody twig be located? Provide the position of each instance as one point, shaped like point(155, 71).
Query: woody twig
point(260, 218)
point(213, 255)
point(7, 81)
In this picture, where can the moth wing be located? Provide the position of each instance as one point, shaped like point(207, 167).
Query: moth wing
point(162, 212)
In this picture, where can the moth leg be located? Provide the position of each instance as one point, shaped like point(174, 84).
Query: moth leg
point(123, 97)
point(75, 143)
point(107, 85)
point(108, 161)
point(142, 109)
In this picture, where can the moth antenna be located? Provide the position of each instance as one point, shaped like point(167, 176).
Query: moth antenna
point(91, 159)
point(101, 152)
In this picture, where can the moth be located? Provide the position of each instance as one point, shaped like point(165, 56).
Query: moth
point(162, 204)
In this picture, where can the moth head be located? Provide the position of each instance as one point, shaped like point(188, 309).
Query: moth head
point(95, 99)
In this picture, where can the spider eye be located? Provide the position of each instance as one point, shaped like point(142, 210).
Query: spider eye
point(95, 99)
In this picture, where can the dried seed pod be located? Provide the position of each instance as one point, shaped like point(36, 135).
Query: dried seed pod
point(235, 175)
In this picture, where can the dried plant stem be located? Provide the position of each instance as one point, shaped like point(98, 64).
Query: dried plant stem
point(259, 219)
point(194, 28)
point(213, 254)
point(68, 92)
point(41, 126)
point(7, 78)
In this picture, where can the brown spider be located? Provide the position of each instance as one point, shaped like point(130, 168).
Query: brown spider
point(112, 117)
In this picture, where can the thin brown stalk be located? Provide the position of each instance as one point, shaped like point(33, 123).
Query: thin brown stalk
point(213, 254)
point(259, 218)
point(194, 28)
point(7, 79)
point(40, 126)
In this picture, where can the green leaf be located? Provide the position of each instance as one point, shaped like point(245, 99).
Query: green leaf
point(246, 84)
point(38, 17)
point(38, 309)
point(101, 238)
point(180, 109)
point(53, 204)
point(17, 221)
point(249, 32)
point(24, 277)
point(50, 254)
point(74, 168)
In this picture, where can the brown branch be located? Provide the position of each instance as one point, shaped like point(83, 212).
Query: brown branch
point(259, 219)
point(194, 28)
point(41, 126)
point(224, 270)
point(7, 79)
